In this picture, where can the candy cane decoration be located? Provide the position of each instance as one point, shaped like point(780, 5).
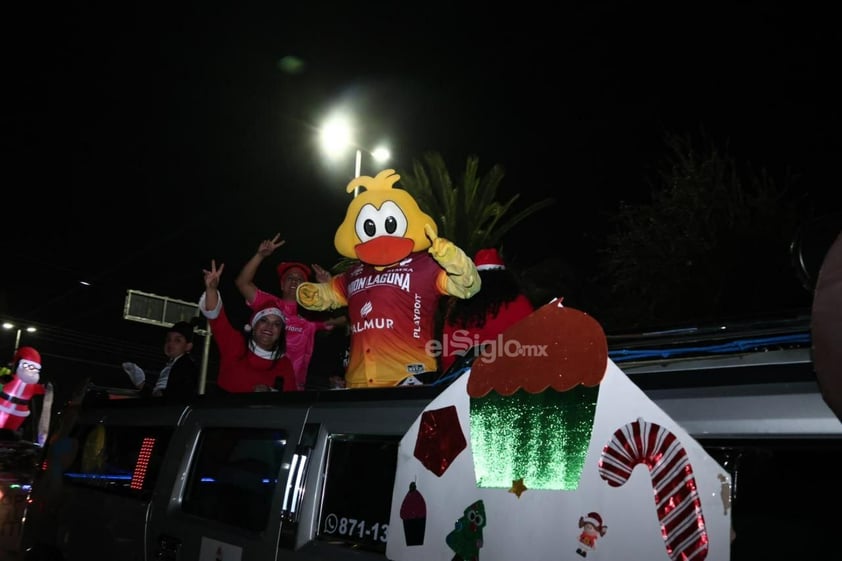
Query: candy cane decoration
point(676, 499)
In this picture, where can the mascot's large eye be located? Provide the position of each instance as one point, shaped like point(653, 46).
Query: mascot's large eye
point(391, 225)
point(369, 227)
point(388, 220)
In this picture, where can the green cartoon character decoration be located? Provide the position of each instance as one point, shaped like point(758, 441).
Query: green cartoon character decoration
point(466, 538)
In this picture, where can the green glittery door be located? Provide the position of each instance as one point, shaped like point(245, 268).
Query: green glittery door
point(542, 438)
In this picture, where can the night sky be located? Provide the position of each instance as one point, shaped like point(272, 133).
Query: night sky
point(142, 141)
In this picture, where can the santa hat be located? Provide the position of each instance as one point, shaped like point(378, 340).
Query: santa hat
point(593, 519)
point(286, 266)
point(28, 353)
point(488, 259)
point(269, 310)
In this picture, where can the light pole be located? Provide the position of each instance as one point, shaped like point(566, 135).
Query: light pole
point(9, 326)
point(380, 154)
point(358, 161)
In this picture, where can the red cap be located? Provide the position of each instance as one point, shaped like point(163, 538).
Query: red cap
point(284, 267)
point(488, 259)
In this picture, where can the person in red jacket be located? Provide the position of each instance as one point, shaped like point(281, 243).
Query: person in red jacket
point(300, 330)
point(488, 313)
point(16, 394)
point(250, 363)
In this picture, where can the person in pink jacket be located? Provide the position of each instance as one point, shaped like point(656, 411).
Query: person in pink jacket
point(300, 331)
point(252, 363)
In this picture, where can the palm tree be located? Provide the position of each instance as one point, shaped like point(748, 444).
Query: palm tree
point(466, 213)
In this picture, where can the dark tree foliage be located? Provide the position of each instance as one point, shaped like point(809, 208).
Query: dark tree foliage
point(712, 244)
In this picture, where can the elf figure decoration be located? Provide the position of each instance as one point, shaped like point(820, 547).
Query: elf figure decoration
point(16, 394)
point(392, 294)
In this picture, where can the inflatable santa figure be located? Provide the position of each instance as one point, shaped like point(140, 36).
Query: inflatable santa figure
point(15, 395)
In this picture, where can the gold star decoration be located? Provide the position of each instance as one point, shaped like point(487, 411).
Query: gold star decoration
point(517, 487)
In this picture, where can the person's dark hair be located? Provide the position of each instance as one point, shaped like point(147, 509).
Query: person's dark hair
point(280, 346)
point(184, 328)
point(499, 286)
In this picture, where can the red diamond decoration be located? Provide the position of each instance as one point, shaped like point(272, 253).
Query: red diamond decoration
point(440, 439)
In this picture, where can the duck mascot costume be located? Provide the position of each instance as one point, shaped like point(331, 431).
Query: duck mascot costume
point(16, 394)
point(392, 294)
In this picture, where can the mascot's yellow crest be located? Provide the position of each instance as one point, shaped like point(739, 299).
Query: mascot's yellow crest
point(383, 224)
point(383, 181)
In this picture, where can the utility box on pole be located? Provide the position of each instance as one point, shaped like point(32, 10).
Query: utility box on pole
point(153, 309)
point(158, 310)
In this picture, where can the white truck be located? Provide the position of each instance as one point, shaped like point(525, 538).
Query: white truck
point(267, 476)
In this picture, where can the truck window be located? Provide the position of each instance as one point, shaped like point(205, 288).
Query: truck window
point(118, 459)
point(233, 475)
point(357, 496)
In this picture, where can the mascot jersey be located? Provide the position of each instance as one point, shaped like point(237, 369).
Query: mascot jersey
point(392, 293)
point(391, 313)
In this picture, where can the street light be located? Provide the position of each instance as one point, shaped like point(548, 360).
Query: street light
point(8, 326)
point(337, 135)
point(380, 154)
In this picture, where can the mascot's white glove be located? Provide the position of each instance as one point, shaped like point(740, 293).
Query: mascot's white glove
point(462, 276)
point(319, 296)
point(135, 372)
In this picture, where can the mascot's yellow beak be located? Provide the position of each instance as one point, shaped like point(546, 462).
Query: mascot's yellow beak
point(383, 225)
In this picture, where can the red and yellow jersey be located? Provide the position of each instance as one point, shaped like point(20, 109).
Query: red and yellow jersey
point(392, 313)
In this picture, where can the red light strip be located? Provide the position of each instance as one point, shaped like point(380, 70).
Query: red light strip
point(142, 464)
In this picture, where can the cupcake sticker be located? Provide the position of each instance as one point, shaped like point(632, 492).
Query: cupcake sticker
point(531, 414)
point(414, 516)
